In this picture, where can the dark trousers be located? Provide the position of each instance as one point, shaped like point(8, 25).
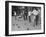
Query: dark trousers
point(25, 17)
point(36, 19)
point(29, 18)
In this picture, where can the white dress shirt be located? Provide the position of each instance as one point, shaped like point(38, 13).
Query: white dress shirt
point(35, 12)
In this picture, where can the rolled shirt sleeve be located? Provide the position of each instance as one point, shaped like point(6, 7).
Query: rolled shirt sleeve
point(29, 13)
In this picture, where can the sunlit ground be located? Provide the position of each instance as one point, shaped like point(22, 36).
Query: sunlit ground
point(21, 25)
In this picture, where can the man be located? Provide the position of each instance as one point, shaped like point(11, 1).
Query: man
point(15, 14)
point(35, 13)
point(25, 15)
point(29, 15)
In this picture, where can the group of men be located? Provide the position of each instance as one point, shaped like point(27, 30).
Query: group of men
point(32, 16)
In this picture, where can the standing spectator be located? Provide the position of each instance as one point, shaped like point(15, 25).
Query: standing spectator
point(29, 15)
point(25, 15)
point(15, 14)
point(35, 13)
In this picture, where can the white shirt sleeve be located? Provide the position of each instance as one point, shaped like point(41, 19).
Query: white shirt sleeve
point(29, 13)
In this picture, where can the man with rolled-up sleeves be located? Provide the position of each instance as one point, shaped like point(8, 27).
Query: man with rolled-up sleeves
point(35, 13)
